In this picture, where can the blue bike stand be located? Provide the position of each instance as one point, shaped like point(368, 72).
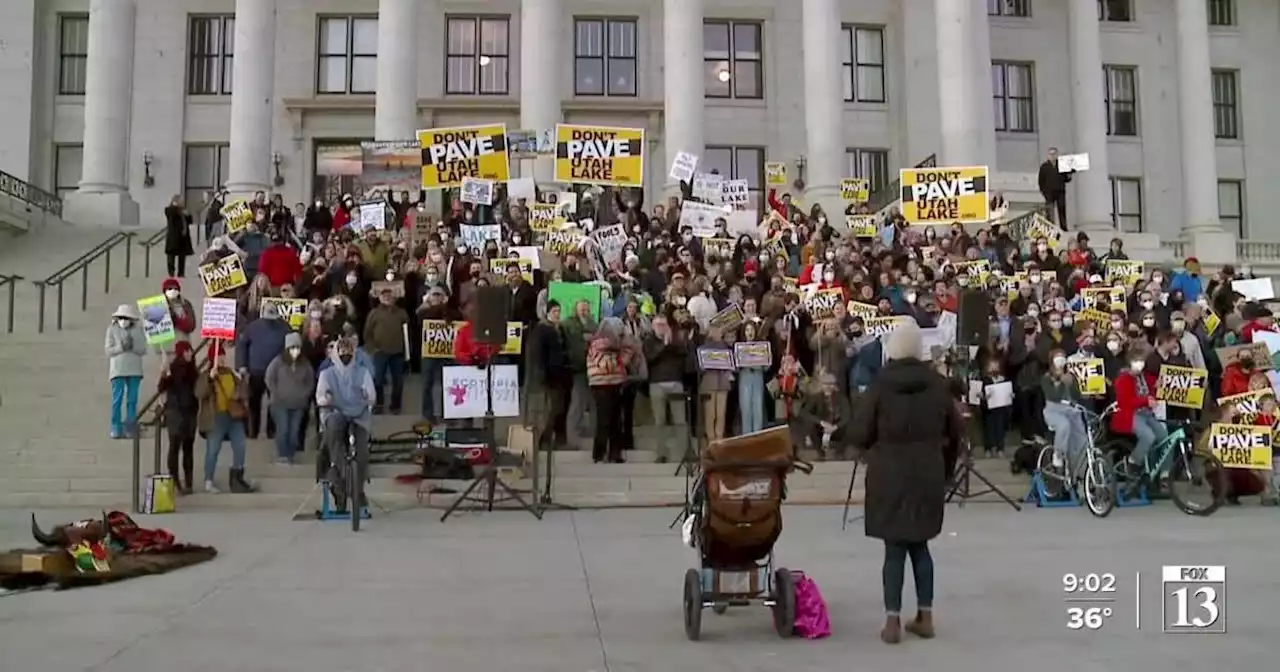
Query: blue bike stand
point(1040, 497)
point(1140, 499)
point(327, 512)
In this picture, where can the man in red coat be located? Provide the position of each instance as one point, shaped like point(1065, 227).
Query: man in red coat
point(465, 349)
point(280, 263)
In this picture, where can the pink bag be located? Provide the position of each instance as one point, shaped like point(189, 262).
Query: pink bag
point(811, 610)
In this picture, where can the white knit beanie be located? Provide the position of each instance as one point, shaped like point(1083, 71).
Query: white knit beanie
point(903, 342)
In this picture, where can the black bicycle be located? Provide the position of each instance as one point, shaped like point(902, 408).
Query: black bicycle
point(347, 488)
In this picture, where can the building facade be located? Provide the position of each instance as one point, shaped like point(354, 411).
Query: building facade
point(117, 105)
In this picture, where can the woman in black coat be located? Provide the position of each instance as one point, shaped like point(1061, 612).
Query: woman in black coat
point(910, 426)
point(177, 237)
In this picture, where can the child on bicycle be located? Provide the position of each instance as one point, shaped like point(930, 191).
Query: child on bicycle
point(1061, 415)
point(1135, 409)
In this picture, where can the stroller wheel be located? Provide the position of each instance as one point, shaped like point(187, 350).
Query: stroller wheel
point(692, 604)
point(720, 608)
point(784, 602)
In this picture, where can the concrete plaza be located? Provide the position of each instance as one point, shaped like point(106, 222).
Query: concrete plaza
point(600, 591)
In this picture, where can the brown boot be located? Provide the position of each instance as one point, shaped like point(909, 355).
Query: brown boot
point(922, 626)
point(892, 631)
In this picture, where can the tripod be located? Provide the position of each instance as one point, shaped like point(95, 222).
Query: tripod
point(689, 463)
point(848, 498)
point(961, 483)
point(545, 501)
point(489, 477)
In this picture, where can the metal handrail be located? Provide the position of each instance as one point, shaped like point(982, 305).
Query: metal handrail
point(893, 191)
point(156, 239)
point(81, 265)
point(154, 422)
point(29, 193)
point(10, 282)
point(151, 401)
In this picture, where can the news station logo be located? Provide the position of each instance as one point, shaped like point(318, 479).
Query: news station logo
point(1194, 599)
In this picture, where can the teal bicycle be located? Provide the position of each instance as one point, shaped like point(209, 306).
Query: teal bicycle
point(1195, 480)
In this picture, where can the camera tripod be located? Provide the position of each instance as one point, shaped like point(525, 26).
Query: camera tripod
point(690, 463)
point(961, 483)
point(545, 501)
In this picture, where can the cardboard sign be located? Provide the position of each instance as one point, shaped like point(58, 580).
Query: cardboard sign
point(1090, 377)
point(600, 155)
point(775, 173)
point(753, 354)
point(1182, 386)
point(157, 321)
point(218, 319)
point(1241, 446)
point(452, 154)
point(466, 391)
point(945, 195)
point(855, 189)
point(293, 311)
point(1070, 163)
point(222, 276)
point(683, 166)
point(861, 226)
point(236, 215)
point(715, 359)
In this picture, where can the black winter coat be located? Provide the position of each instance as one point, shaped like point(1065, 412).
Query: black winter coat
point(911, 429)
point(177, 233)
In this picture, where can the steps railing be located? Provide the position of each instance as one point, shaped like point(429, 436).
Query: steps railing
point(9, 283)
point(893, 191)
point(151, 414)
point(81, 265)
point(147, 244)
point(30, 194)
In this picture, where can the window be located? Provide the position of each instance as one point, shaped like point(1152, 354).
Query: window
point(1121, 84)
point(204, 169)
point(738, 163)
point(73, 53)
point(1222, 12)
point(1225, 122)
point(871, 164)
point(1018, 8)
point(211, 45)
point(348, 59)
point(1231, 206)
point(733, 54)
point(863, 64)
point(1013, 97)
point(477, 56)
point(1115, 10)
point(1126, 204)
point(604, 61)
point(68, 162)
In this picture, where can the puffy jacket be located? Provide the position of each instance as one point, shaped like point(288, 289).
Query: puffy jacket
point(605, 365)
point(280, 264)
point(1128, 401)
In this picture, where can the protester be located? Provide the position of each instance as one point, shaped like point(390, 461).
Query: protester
point(177, 237)
point(608, 356)
point(180, 408)
point(125, 345)
point(258, 345)
point(345, 396)
point(180, 310)
point(548, 381)
point(290, 381)
point(384, 338)
point(222, 394)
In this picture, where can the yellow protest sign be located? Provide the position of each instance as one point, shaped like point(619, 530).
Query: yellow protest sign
point(879, 326)
point(545, 217)
point(498, 267)
point(237, 215)
point(1009, 283)
point(438, 337)
point(1043, 228)
point(1089, 375)
point(944, 195)
point(1211, 322)
point(1099, 319)
point(861, 226)
point(293, 311)
point(223, 275)
point(1182, 386)
point(855, 189)
point(775, 173)
point(1102, 298)
point(1241, 446)
point(1248, 404)
point(451, 154)
point(822, 303)
point(564, 241)
point(979, 269)
point(1127, 271)
point(863, 310)
point(601, 155)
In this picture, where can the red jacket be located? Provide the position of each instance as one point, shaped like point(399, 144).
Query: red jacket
point(777, 205)
point(466, 351)
point(186, 322)
point(1234, 381)
point(280, 264)
point(1246, 334)
point(1128, 401)
point(341, 218)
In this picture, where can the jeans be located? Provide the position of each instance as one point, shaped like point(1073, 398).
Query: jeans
point(288, 430)
point(1068, 433)
point(257, 390)
point(1149, 431)
point(667, 401)
point(581, 411)
point(124, 391)
point(432, 390)
point(751, 400)
point(393, 365)
point(224, 427)
point(893, 574)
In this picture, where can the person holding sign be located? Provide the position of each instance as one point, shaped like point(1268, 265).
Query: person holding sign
point(1240, 482)
point(126, 343)
point(1053, 186)
point(1135, 409)
point(1061, 394)
point(177, 237)
point(223, 394)
point(751, 384)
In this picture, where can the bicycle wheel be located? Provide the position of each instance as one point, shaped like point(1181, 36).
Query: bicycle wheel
point(1053, 478)
point(1197, 483)
point(355, 491)
point(1100, 486)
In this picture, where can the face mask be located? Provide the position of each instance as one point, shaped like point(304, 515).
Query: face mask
point(171, 294)
point(1179, 325)
point(1137, 366)
point(1202, 302)
point(432, 278)
point(911, 297)
point(124, 324)
point(1158, 278)
point(345, 359)
point(856, 331)
point(764, 257)
point(319, 204)
point(1059, 361)
point(1148, 304)
point(1117, 325)
point(680, 301)
point(1033, 312)
point(390, 276)
point(316, 314)
point(1056, 324)
point(1068, 320)
point(829, 277)
point(687, 237)
point(1033, 279)
point(1114, 347)
point(1042, 248)
point(351, 280)
point(963, 281)
point(831, 256)
point(1148, 322)
point(294, 352)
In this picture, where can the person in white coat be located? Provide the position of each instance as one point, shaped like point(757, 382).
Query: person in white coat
point(125, 345)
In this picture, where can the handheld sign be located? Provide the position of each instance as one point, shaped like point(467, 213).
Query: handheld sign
point(1241, 446)
point(1182, 386)
point(222, 276)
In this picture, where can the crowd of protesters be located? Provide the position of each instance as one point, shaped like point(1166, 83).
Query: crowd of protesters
point(585, 372)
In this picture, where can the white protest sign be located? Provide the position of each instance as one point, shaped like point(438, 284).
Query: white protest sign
point(743, 223)
point(476, 191)
point(566, 203)
point(218, 319)
point(610, 240)
point(736, 192)
point(372, 217)
point(683, 166)
point(709, 188)
point(466, 391)
point(521, 187)
point(700, 217)
point(530, 252)
point(1255, 289)
point(1073, 162)
point(475, 236)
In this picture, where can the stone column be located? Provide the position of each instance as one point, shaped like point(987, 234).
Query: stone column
point(823, 107)
point(543, 28)
point(683, 91)
point(961, 145)
point(1092, 208)
point(1195, 115)
point(103, 197)
point(253, 73)
point(396, 111)
point(980, 88)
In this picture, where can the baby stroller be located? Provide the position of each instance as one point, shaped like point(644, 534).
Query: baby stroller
point(736, 517)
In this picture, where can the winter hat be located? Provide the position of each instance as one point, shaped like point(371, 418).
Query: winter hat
point(270, 312)
point(181, 348)
point(292, 340)
point(903, 342)
point(127, 311)
point(171, 283)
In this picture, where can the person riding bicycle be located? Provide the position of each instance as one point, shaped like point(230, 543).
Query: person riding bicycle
point(1135, 409)
point(345, 394)
point(1061, 396)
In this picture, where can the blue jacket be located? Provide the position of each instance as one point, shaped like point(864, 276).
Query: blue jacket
point(259, 343)
point(362, 358)
point(1188, 284)
point(350, 386)
point(866, 364)
point(253, 244)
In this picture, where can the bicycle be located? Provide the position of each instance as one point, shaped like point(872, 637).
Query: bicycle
point(347, 489)
point(1186, 465)
point(1098, 482)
